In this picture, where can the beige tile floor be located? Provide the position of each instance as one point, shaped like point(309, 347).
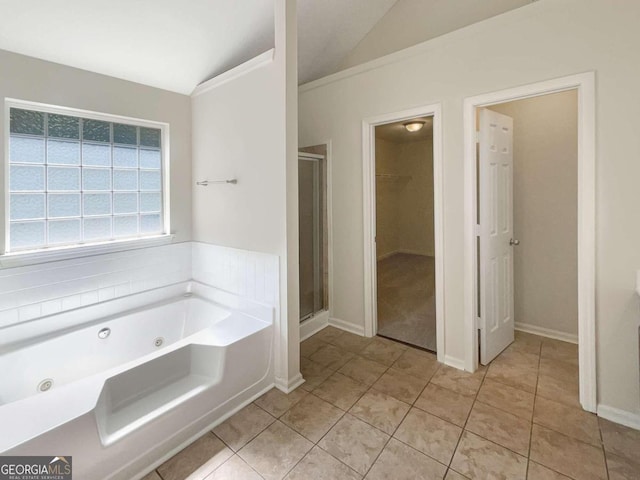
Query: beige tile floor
point(375, 409)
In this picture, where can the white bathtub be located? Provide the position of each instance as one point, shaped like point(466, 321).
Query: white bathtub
point(117, 385)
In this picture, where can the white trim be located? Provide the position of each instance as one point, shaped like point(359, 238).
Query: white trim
point(309, 156)
point(288, 386)
point(242, 69)
point(454, 362)
point(546, 332)
point(329, 193)
point(78, 112)
point(628, 419)
point(585, 84)
point(405, 251)
point(369, 215)
point(387, 255)
point(313, 325)
point(347, 326)
point(20, 259)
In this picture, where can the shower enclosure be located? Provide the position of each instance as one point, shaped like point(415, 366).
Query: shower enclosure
point(311, 212)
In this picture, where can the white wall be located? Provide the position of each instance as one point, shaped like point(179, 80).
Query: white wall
point(544, 40)
point(545, 205)
point(34, 80)
point(236, 135)
point(242, 129)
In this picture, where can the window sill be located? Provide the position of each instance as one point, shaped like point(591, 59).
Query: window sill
point(34, 257)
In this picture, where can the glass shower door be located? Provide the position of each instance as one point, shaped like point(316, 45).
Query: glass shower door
point(310, 212)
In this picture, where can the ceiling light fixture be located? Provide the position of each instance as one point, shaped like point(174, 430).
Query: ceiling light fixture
point(414, 126)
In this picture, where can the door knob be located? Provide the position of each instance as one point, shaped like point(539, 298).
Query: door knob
point(513, 242)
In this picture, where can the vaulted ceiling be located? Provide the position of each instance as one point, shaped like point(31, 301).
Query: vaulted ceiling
point(169, 44)
point(176, 45)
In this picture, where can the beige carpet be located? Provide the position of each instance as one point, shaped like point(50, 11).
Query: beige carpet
point(406, 299)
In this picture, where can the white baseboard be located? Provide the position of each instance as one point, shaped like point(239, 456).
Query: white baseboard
point(615, 415)
point(416, 252)
point(408, 252)
point(454, 362)
point(347, 326)
point(387, 255)
point(313, 325)
point(546, 332)
point(288, 386)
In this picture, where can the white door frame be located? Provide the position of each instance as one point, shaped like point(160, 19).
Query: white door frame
point(369, 215)
point(584, 83)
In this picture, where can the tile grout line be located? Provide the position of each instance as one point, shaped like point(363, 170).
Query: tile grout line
point(604, 451)
point(412, 405)
point(371, 387)
point(345, 412)
point(392, 435)
point(533, 411)
point(475, 399)
point(544, 426)
point(235, 453)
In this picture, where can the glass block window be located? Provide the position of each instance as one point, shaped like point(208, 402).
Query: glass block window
point(75, 180)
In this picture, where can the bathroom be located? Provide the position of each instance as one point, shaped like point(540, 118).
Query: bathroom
point(161, 316)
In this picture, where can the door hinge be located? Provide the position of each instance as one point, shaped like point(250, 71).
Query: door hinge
point(480, 323)
point(477, 135)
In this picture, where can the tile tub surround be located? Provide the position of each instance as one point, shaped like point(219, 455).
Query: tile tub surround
point(36, 291)
point(44, 289)
point(460, 426)
point(251, 275)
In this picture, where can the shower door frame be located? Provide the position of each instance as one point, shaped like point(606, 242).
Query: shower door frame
point(369, 216)
point(318, 259)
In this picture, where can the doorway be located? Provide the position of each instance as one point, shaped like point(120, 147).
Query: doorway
point(492, 242)
point(402, 164)
point(405, 232)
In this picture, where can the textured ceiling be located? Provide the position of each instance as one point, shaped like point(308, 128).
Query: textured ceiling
point(329, 29)
point(410, 22)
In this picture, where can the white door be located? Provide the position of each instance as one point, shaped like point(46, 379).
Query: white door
point(496, 233)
